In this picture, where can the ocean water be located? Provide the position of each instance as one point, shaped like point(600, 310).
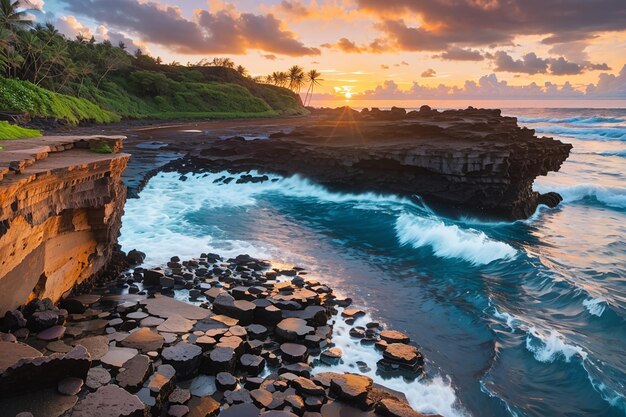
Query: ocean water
point(523, 318)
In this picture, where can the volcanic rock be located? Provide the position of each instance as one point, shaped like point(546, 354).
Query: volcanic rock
point(135, 371)
point(144, 340)
point(184, 357)
point(110, 401)
point(292, 329)
point(116, 357)
point(203, 407)
point(241, 310)
point(293, 353)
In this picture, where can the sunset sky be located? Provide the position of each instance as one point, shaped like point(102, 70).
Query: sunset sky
point(381, 49)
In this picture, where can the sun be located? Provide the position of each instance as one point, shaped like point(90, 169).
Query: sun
point(347, 95)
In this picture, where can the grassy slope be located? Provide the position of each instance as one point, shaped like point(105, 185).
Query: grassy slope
point(9, 131)
point(189, 93)
point(22, 96)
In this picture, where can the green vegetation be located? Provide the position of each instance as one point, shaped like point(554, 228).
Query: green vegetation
point(46, 75)
point(102, 148)
point(9, 131)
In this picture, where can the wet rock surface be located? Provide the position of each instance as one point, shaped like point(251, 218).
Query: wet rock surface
point(250, 349)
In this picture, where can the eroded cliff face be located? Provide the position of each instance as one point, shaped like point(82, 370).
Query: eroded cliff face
point(60, 214)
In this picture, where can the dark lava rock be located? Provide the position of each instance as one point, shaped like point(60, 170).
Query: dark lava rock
point(184, 357)
point(220, 359)
point(307, 387)
point(331, 356)
point(110, 401)
point(162, 382)
point(293, 353)
point(179, 396)
point(261, 397)
point(97, 377)
point(252, 364)
point(241, 410)
point(23, 370)
point(13, 320)
point(225, 381)
point(241, 310)
point(350, 387)
point(393, 408)
point(97, 346)
point(70, 386)
point(177, 410)
point(394, 336)
point(203, 407)
point(402, 353)
point(144, 340)
point(292, 329)
point(135, 372)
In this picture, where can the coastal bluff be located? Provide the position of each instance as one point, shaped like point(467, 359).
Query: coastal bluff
point(471, 161)
point(61, 202)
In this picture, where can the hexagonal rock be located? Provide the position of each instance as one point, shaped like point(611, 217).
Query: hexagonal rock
point(331, 356)
point(97, 377)
point(402, 353)
point(225, 381)
point(394, 336)
point(166, 306)
point(116, 357)
point(252, 364)
point(220, 359)
point(261, 397)
point(144, 340)
point(179, 396)
point(350, 387)
point(293, 329)
point(162, 382)
point(294, 353)
point(241, 410)
point(393, 408)
point(97, 346)
point(110, 401)
point(184, 357)
point(203, 407)
point(241, 310)
point(22, 371)
point(135, 372)
point(307, 387)
point(176, 324)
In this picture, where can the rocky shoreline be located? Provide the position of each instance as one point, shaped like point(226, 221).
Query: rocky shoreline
point(203, 337)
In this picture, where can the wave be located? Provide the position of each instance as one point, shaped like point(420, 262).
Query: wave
point(609, 196)
point(621, 153)
point(572, 120)
point(434, 395)
point(595, 306)
point(450, 241)
point(608, 134)
point(547, 348)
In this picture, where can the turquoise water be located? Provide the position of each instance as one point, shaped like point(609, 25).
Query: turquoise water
point(525, 318)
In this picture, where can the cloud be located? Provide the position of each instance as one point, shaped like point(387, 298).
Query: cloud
point(484, 22)
point(429, 73)
point(270, 57)
point(529, 64)
point(34, 4)
point(325, 10)
point(489, 87)
point(383, 66)
point(532, 64)
point(71, 27)
point(454, 53)
point(223, 31)
point(346, 45)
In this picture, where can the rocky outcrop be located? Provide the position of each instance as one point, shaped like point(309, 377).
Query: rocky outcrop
point(471, 160)
point(61, 201)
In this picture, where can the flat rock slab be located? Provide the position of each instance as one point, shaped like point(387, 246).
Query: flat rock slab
point(42, 403)
point(116, 357)
point(13, 352)
point(135, 372)
point(151, 321)
point(97, 377)
point(144, 340)
point(70, 386)
point(110, 401)
point(395, 408)
point(293, 329)
point(97, 346)
point(350, 387)
point(176, 324)
point(241, 410)
point(165, 307)
point(203, 407)
point(203, 385)
point(52, 333)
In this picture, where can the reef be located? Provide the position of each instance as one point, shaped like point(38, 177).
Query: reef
point(472, 161)
point(61, 202)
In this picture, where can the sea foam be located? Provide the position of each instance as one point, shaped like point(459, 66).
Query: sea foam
point(610, 196)
point(547, 348)
point(595, 306)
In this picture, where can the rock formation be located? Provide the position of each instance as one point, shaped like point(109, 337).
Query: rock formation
point(61, 201)
point(471, 160)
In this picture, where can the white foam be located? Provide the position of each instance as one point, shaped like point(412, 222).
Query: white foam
point(435, 395)
point(450, 241)
point(595, 306)
point(547, 348)
point(610, 196)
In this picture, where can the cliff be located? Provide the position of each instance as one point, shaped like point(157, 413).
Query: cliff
point(61, 201)
point(467, 161)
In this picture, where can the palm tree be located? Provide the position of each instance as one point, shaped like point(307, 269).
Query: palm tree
point(282, 78)
point(313, 77)
point(296, 78)
point(14, 15)
point(242, 70)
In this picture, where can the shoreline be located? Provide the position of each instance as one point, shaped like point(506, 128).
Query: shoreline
point(295, 313)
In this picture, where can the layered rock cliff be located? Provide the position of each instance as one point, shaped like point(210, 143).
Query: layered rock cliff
point(470, 161)
point(61, 201)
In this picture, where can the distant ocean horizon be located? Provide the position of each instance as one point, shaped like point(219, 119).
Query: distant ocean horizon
point(481, 103)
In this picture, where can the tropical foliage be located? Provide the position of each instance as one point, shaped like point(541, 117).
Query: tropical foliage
point(45, 74)
point(9, 131)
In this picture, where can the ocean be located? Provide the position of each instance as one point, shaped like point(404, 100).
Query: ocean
point(524, 318)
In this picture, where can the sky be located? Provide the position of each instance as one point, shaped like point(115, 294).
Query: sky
point(381, 49)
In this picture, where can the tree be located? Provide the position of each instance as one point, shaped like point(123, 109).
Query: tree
point(14, 15)
point(296, 78)
point(242, 70)
point(313, 77)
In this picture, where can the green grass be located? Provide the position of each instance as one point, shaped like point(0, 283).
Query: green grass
point(9, 131)
point(23, 96)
